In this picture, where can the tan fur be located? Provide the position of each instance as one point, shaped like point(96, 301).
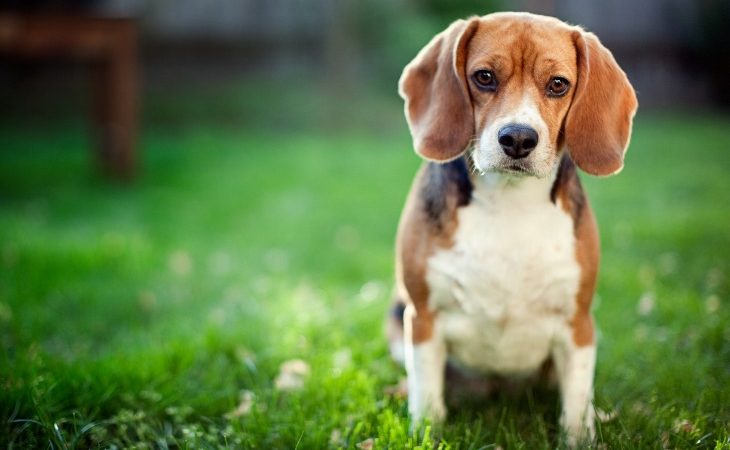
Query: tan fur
point(437, 105)
point(418, 237)
point(587, 252)
point(569, 195)
point(598, 125)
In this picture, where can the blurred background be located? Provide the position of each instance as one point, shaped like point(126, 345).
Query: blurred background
point(675, 51)
point(195, 191)
point(124, 63)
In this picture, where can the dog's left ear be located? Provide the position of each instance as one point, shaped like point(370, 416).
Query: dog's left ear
point(438, 106)
point(598, 124)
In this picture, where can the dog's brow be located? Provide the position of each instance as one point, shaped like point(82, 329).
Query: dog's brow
point(492, 61)
point(550, 62)
point(551, 67)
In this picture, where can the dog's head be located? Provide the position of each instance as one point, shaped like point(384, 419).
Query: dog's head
point(516, 88)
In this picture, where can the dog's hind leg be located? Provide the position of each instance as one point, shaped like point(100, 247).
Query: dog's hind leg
point(394, 330)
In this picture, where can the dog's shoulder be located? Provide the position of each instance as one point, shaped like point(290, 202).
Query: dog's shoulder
point(428, 222)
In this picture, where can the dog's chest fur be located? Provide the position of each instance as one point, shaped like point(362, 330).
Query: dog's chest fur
point(507, 286)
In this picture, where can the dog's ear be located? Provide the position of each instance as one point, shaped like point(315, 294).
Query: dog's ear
point(438, 106)
point(598, 124)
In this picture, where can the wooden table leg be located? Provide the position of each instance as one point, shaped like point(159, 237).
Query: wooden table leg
point(110, 46)
point(115, 106)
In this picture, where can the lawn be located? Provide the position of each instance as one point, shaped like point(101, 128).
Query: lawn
point(259, 232)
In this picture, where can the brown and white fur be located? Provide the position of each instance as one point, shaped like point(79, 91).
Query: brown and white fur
point(497, 256)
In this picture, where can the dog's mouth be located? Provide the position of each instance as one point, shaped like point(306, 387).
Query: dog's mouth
point(515, 169)
point(505, 166)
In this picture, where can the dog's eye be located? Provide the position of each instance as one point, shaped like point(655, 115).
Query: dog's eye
point(485, 79)
point(557, 87)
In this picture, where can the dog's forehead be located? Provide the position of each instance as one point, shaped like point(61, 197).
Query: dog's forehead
point(505, 39)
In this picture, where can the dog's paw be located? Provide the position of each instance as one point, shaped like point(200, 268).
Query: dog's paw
point(433, 417)
point(579, 434)
point(434, 412)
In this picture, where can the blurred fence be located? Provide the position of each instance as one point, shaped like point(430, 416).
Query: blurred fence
point(676, 52)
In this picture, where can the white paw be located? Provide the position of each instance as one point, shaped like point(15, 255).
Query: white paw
point(435, 412)
point(579, 432)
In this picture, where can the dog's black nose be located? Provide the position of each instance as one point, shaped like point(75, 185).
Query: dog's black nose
point(517, 141)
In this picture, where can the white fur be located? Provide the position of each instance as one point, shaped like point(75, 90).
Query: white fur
point(507, 286)
point(425, 365)
point(397, 350)
point(504, 295)
point(575, 367)
point(488, 154)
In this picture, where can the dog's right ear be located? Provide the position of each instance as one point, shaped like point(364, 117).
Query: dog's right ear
point(598, 124)
point(438, 106)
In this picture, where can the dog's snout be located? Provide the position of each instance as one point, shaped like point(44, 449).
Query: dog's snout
point(517, 141)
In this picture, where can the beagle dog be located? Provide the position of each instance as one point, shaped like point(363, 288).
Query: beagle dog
point(497, 247)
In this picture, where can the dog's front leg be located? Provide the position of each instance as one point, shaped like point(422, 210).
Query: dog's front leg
point(575, 368)
point(425, 355)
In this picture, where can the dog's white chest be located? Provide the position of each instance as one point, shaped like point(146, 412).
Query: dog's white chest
point(507, 286)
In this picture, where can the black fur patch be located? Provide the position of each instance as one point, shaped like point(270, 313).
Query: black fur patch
point(442, 181)
point(567, 180)
point(398, 310)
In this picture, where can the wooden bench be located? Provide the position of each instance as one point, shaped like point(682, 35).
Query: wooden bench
point(109, 47)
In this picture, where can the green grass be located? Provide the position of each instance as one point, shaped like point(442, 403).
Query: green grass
point(134, 316)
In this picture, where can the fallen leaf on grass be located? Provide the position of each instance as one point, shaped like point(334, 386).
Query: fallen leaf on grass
point(606, 416)
point(336, 437)
point(180, 262)
point(665, 440)
point(712, 304)
point(684, 426)
point(244, 407)
point(640, 408)
point(367, 444)
point(646, 304)
point(292, 375)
